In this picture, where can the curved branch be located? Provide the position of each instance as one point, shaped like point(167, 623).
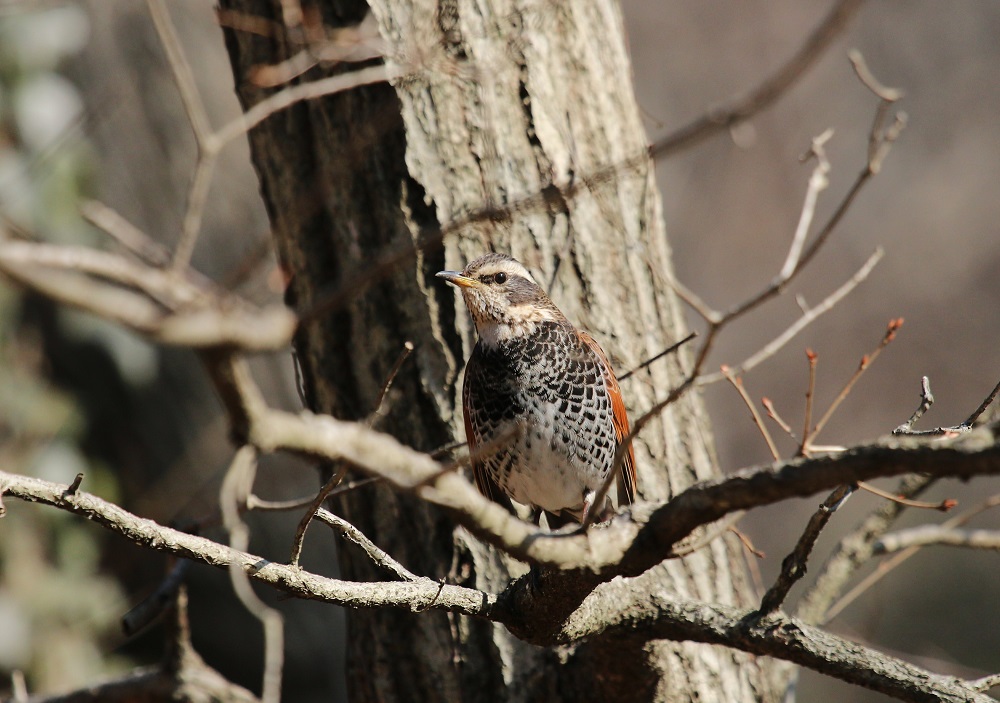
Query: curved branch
point(145, 299)
point(660, 615)
point(643, 538)
point(422, 594)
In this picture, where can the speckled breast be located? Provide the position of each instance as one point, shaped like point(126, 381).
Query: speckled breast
point(552, 384)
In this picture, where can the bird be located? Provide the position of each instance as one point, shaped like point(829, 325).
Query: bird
point(544, 415)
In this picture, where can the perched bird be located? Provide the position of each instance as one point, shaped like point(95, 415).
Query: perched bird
point(541, 402)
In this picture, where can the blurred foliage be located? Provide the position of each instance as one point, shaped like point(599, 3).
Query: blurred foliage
point(58, 612)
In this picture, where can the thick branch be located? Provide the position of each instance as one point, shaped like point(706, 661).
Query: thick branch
point(627, 546)
point(659, 615)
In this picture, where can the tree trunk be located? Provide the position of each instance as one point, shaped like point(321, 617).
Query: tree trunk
point(514, 129)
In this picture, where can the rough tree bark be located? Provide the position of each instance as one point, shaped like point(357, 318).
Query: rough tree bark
point(501, 102)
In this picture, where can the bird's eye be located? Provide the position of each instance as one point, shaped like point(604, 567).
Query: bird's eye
point(500, 277)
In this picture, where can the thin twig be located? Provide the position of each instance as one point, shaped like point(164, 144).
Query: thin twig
point(866, 361)
point(942, 506)
point(133, 239)
point(297, 93)
point(772, 413)
point(153, 605)
point(181, 70)
point(737, 383)
point(926, 401)
point(887, 566)
point(747, 544)
point(673, 347)
point(255, 503)
point(767, 92)
point(236, 486)
point(885, 94)
point(73, 487)
point(987, 402)
point(201, 183)
point(793, 566)
point(801, 323)
point(708, 314)
point(810, 391)
point(818, 182)
point(400, 360)
point(700, 541)
point(378, 556)
point(855, 549)
point(336, 476)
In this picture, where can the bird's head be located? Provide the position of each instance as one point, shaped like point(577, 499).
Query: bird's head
point(505, 301)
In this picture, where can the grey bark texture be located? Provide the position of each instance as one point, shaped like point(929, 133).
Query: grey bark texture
point(501, 102)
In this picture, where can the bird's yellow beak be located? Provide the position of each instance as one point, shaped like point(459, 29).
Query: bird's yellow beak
point(457, 278)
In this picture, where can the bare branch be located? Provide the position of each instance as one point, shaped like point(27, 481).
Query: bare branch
point(133, 239)
point(422, 594)
point(154, 604)
point(737, 383)
point(810, 394)
point(818, 182)
point(943, 505)
point(201, 182)
point(866, 361)
point(772, 413)
point(236, 486)
point(800, 324)
point(797, 258)
point(601, 549)
point(793, 567)
point(659, 614)
point(215, 321)
point(854, 550)
point(767, 92)
point(887, 566)
point(985, 683)
point(336, 476)
point(885, 94)
point(179, 66)
point(19, 687)
point(297, 93)
point(656, 357)
point(927, 535)
point(379, 411)
point(987, 402)
point(926, 401)
point(169, 291)
point(355, 536)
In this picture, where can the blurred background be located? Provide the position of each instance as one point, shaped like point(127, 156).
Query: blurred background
point(88, 109)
